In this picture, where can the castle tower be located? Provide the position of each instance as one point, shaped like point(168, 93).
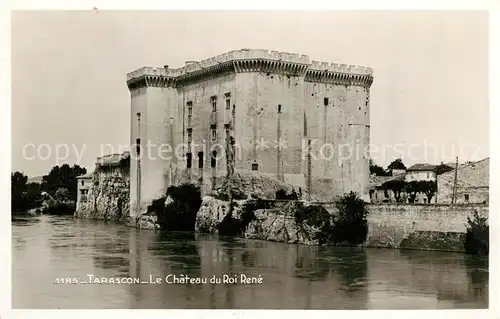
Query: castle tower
point(153, 100)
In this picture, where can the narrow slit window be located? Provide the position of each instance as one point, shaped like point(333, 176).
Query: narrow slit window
point(200, 160)
point(325, 101)
point(189, 160)
point(138, 146)
point(279, 109)
point(213, 162)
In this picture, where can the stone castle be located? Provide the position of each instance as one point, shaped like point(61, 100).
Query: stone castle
point(302, 122)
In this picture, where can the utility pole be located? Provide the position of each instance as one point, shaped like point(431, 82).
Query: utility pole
point(454, 199)
point(309, 170)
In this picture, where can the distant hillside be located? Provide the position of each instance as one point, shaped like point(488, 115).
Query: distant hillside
point(36, 179)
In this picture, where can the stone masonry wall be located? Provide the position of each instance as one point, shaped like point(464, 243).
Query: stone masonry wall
point(107, 200)
point(421, 227)
point(428, 227)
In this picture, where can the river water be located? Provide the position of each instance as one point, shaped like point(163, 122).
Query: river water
point(47, 251)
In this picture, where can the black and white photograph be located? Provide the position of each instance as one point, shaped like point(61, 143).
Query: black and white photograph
point(250, 159)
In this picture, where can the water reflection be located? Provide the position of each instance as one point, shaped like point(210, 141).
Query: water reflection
point(294, 276)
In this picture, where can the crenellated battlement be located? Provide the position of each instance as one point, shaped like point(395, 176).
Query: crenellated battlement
point(247, 60)
point(341, 68)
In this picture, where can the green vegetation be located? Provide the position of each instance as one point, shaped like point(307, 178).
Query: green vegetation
point(179, 214)
point(477, 236)
point(348, 227)
point(377, 170)
point(429, 188)
point(58, 190)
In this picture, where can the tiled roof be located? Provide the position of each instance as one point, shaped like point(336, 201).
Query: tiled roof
point(378, 181)
point(88, 175)
point(422, 167)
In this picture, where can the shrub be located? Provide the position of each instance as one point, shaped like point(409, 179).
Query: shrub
point(55, 207)
point(477, 236)
point(180, 213)
point(350, 225)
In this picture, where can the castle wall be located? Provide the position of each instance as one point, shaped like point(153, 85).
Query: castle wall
point(337, 122)
point(151, 127)
point(269, 114)
point(203, 120)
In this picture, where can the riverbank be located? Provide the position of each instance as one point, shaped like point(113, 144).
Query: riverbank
point(410, 226)
point(257, 209)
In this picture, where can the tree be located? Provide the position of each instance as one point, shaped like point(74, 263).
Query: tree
point(377, 170)
point(350, 225)
point(396, 186)
point(18, 191)
point(62, 194)
point(429, 188)
point(34, 195)
point(412, 189)
point(63, 177)
point(396, 164)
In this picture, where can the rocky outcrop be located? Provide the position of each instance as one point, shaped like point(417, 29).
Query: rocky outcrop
point(281, 225)
point(257, 219)
point(146, 221)
point(249, 184)
point(108, 199)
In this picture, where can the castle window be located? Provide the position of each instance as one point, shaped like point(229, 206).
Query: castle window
point(213, 100)
point(325, 101)
point(200, 159)
point(228, 101)
point(366, 103)
point(214, 134)
point(279, 108)
point(466, 197)
point(82, 183)
point(190, 137)
point(255, 167)
point(138, 146)
point(213, 161)
point(189, 159)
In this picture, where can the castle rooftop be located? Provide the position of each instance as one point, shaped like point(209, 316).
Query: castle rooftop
point(251, 55)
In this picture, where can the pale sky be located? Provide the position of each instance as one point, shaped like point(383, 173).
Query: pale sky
point(430, 70)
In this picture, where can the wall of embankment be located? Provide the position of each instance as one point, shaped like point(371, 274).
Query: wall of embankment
point(425, 226)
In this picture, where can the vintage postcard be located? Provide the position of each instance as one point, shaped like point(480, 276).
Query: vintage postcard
point(318, 160)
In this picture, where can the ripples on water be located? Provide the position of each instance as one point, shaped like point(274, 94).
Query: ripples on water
point(45, 248)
